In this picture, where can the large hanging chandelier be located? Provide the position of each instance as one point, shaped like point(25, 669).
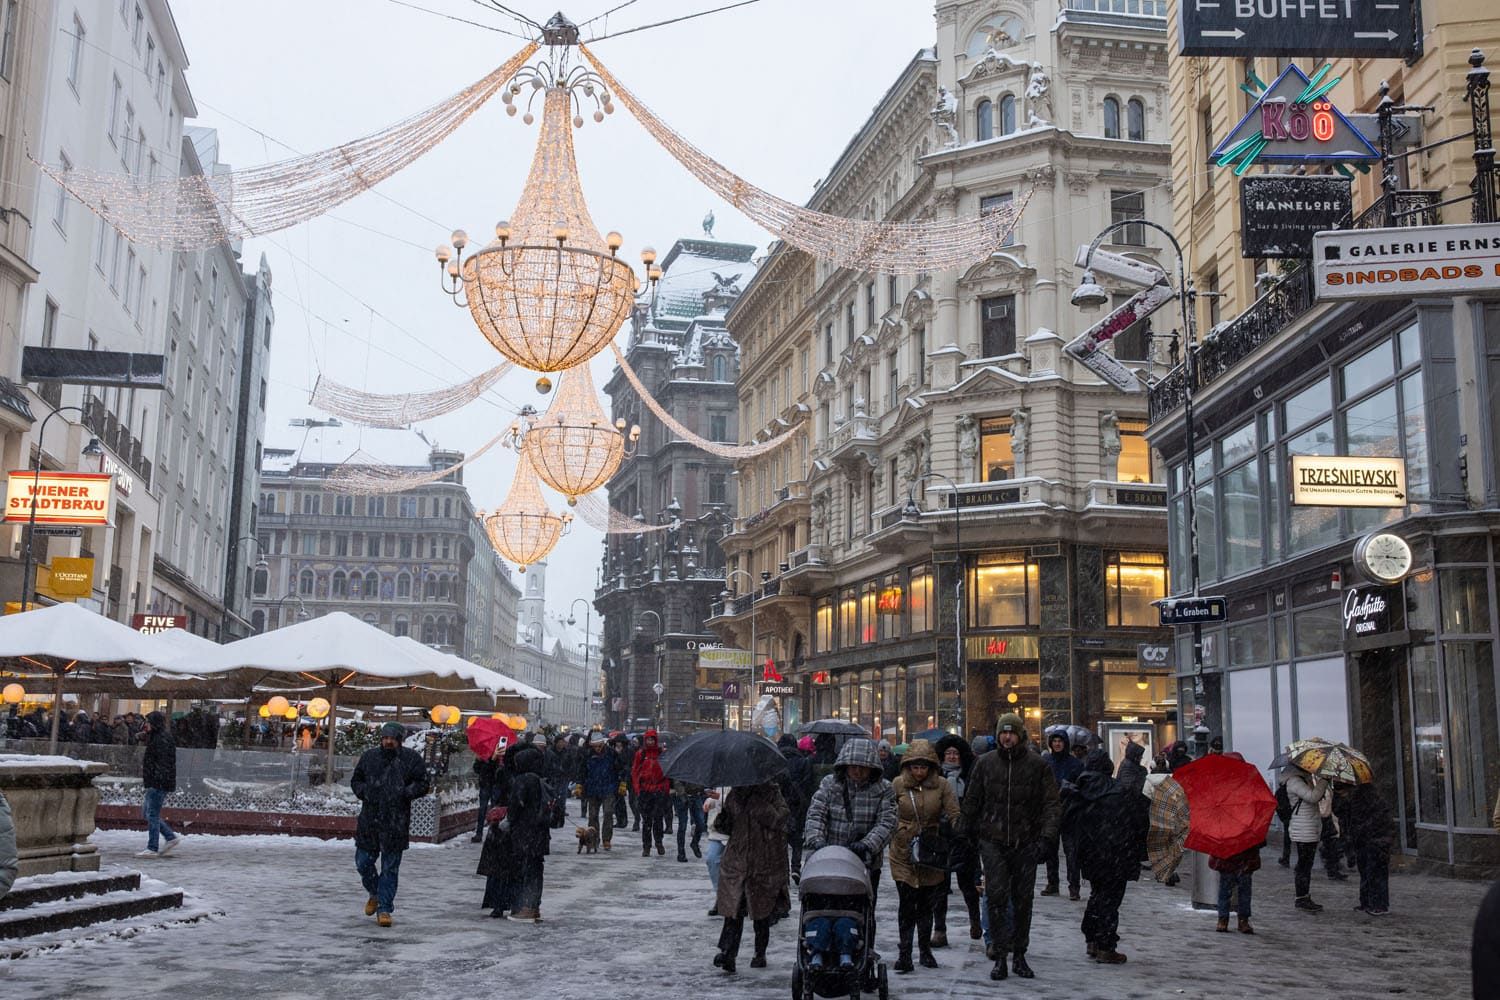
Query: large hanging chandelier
point(573, 447)
point(549, 292)
point(524, 529)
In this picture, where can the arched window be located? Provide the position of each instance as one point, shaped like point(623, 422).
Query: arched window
point(1111, 118)
point(429, 630)
point(1135, 119)
point(403, 585)
point(442, 631)
point(1007, 114)
point(444, 590)
point(259, 582)
point(340, 584)
point(305, 582)
point(430, 590)
point(719, 371)
point(258, 621)
point(401, 626)
point(372, 586)
point(984, 121)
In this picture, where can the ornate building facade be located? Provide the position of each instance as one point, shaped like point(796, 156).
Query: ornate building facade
point(655, 587)
point(948, 435)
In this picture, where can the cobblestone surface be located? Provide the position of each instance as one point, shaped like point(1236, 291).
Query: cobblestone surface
point(621, 926)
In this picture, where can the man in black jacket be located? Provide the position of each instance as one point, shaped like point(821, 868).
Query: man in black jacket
point(1011, 809)
point(159, 778)
point(386, 781)
point(1111, 821)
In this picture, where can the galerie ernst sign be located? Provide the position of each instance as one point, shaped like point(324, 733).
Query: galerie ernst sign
point(61, 497)
point(1342, 481)
point(1433, 260)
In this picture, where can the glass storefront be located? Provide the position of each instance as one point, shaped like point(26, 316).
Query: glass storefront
point(893, 702)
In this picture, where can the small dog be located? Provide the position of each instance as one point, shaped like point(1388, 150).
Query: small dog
point(588, 839)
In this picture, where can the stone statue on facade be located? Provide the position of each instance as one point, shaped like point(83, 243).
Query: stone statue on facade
point(818, 521)
point(1039, 96)
point(1020, 421)
point(1109, 434)
point(968, 439)
point(945, 117)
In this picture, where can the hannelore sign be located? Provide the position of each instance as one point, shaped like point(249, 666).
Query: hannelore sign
point(61, 497)
point(1281, 213)
point(1348, 481)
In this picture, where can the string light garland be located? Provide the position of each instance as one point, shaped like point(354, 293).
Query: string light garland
point(524, 529)
point(597, 513)
point(573, 447)
point(397, 410)
point(195, 213)
point(363, 475)
point(859, 244)
point(676, 427)
point(549, 291)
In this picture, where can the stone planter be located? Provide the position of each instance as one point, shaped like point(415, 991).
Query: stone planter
point(53, 801)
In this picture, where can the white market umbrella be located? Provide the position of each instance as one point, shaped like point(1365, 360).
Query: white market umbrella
point(62, 638)
point(491, 680)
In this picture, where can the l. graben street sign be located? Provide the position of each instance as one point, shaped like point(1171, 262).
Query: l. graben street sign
point(1322, 28)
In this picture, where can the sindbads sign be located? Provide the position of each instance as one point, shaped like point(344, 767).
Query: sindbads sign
point(1348, 481)
point(1400, 263)
point(61, 497)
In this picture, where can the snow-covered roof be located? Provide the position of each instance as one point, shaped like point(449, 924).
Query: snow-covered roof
point(693, 268)
point(290, 446)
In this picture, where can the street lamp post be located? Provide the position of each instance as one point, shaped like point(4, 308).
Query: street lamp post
point(765, 576)
point(658, 689)
point(1089, 294)
point(91, 450)
point(913, 512)
point(231, 574)
point(301, 608)
point(587, 614)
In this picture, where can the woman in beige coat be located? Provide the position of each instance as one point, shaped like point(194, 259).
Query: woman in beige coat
point(924, 798)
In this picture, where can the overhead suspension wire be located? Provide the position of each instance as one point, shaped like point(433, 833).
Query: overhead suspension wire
point(613, 10)
point(461, 20)
point(674, 20)
point(496, 5)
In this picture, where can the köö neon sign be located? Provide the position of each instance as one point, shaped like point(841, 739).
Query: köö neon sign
point(1297, 122)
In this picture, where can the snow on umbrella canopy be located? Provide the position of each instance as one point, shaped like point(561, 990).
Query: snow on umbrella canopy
point(524, 529)
point(1334, 761)
point(1229, 805)
point(573, 447)
point(729, 757)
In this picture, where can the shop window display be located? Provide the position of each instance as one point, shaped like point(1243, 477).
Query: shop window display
point(1003, 589)
point(1132, 581)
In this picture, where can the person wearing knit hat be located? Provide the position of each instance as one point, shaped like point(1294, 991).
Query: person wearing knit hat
point(387, 779)
point(1011, 809)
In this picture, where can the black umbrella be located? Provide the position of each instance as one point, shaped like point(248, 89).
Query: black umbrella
point(838, 727)
point(730, 757)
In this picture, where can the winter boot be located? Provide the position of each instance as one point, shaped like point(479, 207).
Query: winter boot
point(1073, 893)
point(1000, 971)
point(925, 958)
point(660, 850)
point(1110, 957)
point(940, 938)
point(1049, 890)
point(1092, 950)
point(697, 851)
point(1245, 927)
point(903, 961)
point(1306, 903)
point(1019, 967)
point(976, 930)
point(759, 961)
point(607, 845)
point(383, 919)
point(1222, 926)
point(370, 906)
point(681, 856)
point(646, 851)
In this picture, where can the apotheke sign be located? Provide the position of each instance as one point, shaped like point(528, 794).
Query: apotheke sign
point(1400, 263)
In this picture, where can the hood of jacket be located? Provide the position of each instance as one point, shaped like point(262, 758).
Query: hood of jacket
point(158, 721)
point(1135, 751)
point(860, 753)
point(526, 760)
point(965, 752)
point(1092, 785)
point(650, 745)
point(920, 752)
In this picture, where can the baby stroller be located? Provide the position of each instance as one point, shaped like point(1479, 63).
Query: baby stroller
point(835, 886)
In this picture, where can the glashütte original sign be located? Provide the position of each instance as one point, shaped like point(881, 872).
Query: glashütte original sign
point(1348, 481)
point(1281, 213)
point(1430, 260)
point(1372, 611)
point(61, 497)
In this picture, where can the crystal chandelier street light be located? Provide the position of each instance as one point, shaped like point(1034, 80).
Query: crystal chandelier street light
point(524, 529)
point(573, 447)
point(548, 292)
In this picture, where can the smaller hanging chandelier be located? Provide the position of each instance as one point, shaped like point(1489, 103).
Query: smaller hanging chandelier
point(572, 447)
point(524, 529)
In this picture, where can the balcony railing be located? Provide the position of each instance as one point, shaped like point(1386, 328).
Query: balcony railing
point(116, 436)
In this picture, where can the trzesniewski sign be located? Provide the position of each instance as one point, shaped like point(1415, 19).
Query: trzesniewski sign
point(1400, 263)
point(1281, 213)
point(61, 497)
point(1295, 27)
point(1344, 481)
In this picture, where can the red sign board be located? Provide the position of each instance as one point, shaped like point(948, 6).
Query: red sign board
point(888, 602)
point(151, 624)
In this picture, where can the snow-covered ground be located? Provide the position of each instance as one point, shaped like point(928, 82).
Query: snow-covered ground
point(621, 926)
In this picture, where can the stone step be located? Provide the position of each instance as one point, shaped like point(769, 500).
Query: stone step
point(43, 918)
point(67, 885)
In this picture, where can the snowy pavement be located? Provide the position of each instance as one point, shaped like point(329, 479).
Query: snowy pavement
point(620, 926)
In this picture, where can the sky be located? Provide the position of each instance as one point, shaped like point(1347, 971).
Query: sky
point(773, 90)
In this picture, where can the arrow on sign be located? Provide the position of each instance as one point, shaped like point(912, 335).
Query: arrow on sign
point(1235, 34)
point(1387, 34)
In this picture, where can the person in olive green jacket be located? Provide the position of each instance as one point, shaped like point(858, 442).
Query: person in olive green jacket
point(925, 803)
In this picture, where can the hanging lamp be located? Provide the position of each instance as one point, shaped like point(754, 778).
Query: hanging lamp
point(524, 529)
point(573, 447)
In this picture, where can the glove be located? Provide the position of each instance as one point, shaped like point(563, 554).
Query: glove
point(862, 851)
point(622, 789)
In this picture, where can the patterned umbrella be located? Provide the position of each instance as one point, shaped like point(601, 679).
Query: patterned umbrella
point(1334, 761)
point(1169, 829)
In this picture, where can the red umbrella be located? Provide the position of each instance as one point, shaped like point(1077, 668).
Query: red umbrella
point(1229, 805)
point(485, 735)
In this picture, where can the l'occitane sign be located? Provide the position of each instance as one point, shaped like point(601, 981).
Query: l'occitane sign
point(61, 497)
